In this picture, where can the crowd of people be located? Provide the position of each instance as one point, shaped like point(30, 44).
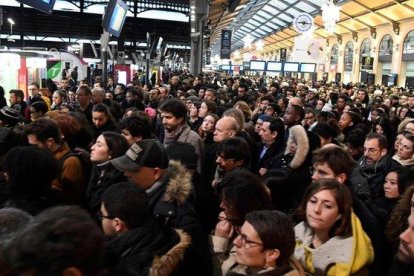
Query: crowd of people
point(207, 175)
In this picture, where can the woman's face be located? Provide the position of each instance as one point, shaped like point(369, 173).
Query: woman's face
point(249, 248)
point(391, 185)
point(203, 111)
point(99, 151)
point(405, 149)
point(99, 119)
point(347, 108)
point(403, 112)
point(379, 130)
point(319, 105)
point(397, 141)
point(35, 114)
point(57, 99)
point(193, 111)
point(322, 211)
point(345, 121)
point(209, 124)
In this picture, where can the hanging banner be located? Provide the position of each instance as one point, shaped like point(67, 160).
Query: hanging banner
point(225, 44)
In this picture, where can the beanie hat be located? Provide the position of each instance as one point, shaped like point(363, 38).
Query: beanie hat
point(9, 115)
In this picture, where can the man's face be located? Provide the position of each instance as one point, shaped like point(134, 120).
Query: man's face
point(223, 131)
point(410, 101)
point(118, 90)
point(143, 177)
point(33, 91)
point(227, 164)
point(163, 93)
point(410, 128)
point(403, 100)
point(153, 95)
point(170, 122)
point(268, 136)
point(82, 98)
point(372, 151)
point(264, 104)
point(129, 98)
point(309, 119)
point(107, 222)
point(99, 119)
point(290, 117)
point(174, 81)
point(405, 252)
point(64, 84)
point(340, 103)
point(13, 99)
point(361, 95)
point(322, 170)
point(32, 139)
point(241, 91)
point(209, 95)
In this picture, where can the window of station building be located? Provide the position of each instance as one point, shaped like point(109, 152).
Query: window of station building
point(349, 55)
point(385, 48)
point(334, 54)
point(408, 47)
point(366, 47)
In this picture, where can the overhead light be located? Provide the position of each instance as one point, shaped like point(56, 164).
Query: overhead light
point(330, 15)
point(11, 21)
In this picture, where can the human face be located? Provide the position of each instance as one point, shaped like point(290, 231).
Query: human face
point(154, 95)
point(82, 98)
point(32, 139)
point(405, 149)
point(410, 128)
point(118, 89)
point(13, 99)
point(128, 97)
point(33, 91)
point(263, 104)
point(372, 151)
point(268, 136)
point(322, 211)
point(241, 91)
point(345, 121)
point(319, 105)
point(410, 101)
point(72, 96)
point(405, 252)
point(208, 124)
point(193, 111)
point(226, 164)
point(203, 110)
point(201, 93)
point(57, 99)
point(309, 119)
point(170, 122)
point(391, 186)
point(109, 96)
point(222, 131)
point(100, 152)
point(403, 100)
point(340, 103)
point(403, 112)
point(99, 119)
point(290, 117)
point(64, 84)
point(252, 253)
point(143, 177)
point(209, 95)
point(397, 141)
point(163, 93)
point(128, 136)
point(322, 170)
point(258, 125)
point(361, 95)
point(107, 222)
point(34, 114)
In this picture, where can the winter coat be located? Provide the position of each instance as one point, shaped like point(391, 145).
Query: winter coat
point(169, 200)
point(293, 268)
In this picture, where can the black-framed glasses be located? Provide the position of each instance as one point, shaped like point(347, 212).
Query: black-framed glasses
point(244, 241)
point(99, 216)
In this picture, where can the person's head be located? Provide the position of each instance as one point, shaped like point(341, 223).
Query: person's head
point(349, 119)
point(233, 153)
point(409, 127)
point(375, 147)
point(98, 95)
point(83, 95)
point(154, 95)
point(119, 206)
point(355, 143)
point(108, 145)
point(120, 89)
point(320, 104)
point(209, 123)
point(173, 114)
point(109, 96)
point(38, 110)
point(266, 239)
point(133, 94)
point(242, 192)
point(210, 94)
point(309, 118)
point(326, 133)
point(242, 90)
point(293, 115)
point(135, 128)
point(207, 107)
point(60, 241)
point(100, 115)
point(43, 133)
point(406, 147)
point(34, 89)
point(11, 221)
point(226, 127)
point(397, 181)
point(272, 130)
point(327, 208)
point(405, 252)
point(16, 96)
point(341, 102)
point(245, 108)
point(332, 162)
point(9, 117)
point(59, 96)
point(144, 163)
point(64, 83)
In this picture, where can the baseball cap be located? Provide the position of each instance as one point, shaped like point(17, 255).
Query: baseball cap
point(146, 153)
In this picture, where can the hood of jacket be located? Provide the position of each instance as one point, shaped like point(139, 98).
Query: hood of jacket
point(297, 134)
point(169, 262)
point(179, 185)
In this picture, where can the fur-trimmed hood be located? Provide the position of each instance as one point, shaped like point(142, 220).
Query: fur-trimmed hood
point(169, 262)
point(179, 185)
point(297, 134)
point(402, 125)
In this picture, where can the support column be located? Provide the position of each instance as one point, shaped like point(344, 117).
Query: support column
point(198, 15)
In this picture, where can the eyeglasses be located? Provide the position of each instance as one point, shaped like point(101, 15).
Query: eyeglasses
point(99, 216)
point(244, 241)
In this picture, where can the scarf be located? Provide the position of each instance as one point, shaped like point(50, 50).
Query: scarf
point(170, 137)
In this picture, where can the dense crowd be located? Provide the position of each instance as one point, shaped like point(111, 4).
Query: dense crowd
point(207, 175)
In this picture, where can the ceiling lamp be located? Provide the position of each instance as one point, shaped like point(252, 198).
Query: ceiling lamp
point(330, 15)
point(259, 45)
point(236, 54)
point(247, 41)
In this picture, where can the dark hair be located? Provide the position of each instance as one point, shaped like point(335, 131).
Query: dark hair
point(244, 192)
point(85, 89)
point(69, 127)
point(174, 106)
point(382, 140)
point(299, 111)
point(275, 230)
point(338, 160)
point(136, 93)
point(57, 239)
point(11, 220)
point(342, 226)
point(19, 93)
point(137, 125)
point(211, 106)
point(44, 129)
point(235, 148)
point(405, 178)
point(122, 200)
point(356, 138)
point(325, 130)
point(276, 124)
point(62, 93)
point(40, 106)
point(117, 144)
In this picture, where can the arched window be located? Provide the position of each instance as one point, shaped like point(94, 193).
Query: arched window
point(349, 55)
point(366, 47)
point(386, 44)
point(409, 43)
point(334, 54)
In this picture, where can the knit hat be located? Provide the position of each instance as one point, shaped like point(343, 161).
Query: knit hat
point(147, 153)
point(9, 115)
point(183, 152)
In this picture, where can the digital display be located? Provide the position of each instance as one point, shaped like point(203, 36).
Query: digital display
point(117, 18)
point(114, 17)
point(257, 65)
point(291, 67)
point(225, 67)
point(45, 6)
point(308, 67)
point(274, 66)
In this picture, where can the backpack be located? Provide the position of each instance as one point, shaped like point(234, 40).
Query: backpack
point(84, 158)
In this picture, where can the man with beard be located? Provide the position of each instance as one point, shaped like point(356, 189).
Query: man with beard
point(404, 261)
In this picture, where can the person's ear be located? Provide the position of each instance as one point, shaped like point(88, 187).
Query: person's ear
point(274, 134)
point(271, 256)
point(157, 173)
point(239, 163)
point(119, 225)
point(341, 178)
point(383, 152)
